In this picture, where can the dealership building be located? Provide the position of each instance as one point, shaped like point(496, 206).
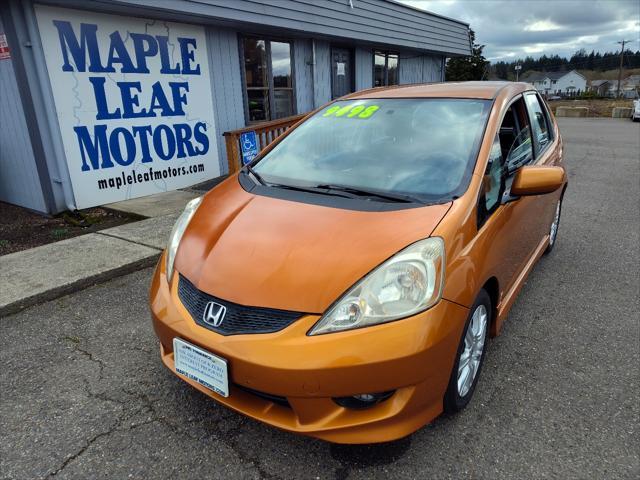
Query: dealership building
point(102, 101)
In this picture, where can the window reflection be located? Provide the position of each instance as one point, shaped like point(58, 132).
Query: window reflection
point(385, 69)
point(281, 64)
point(268, 79)
point(424, 147)
point(255, 61)
point(392, 69)
point(379, 65)
point(258, 100)
point(539, 122)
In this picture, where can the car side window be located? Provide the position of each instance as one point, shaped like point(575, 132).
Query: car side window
point(539, 121)
point(512, 148)
point(493, 181)
point(520, 153)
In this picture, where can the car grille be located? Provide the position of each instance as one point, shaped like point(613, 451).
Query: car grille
point(238, 319)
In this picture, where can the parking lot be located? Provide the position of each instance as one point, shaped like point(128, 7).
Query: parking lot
point(84, 394)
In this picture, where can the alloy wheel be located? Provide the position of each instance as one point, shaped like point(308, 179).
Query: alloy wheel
point(553, 232)
point(471, 355)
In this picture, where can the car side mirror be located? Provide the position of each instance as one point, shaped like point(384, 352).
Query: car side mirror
point(537, 180)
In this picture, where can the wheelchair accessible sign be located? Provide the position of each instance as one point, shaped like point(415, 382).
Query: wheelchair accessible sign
point(248, 146)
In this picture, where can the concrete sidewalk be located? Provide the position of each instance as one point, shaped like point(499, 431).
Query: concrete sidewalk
point(50, 271)
point(157, 205)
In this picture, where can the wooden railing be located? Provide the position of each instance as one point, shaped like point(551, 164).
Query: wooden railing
point(266, 133)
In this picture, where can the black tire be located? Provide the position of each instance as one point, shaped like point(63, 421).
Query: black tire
point(453, 401)
point(551, 245)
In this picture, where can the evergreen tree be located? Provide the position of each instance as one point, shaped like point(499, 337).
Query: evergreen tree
point(580, 60)
point(472, 67)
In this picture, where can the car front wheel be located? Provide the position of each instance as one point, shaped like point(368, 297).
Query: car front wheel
point(553, 229)
point(470, 355)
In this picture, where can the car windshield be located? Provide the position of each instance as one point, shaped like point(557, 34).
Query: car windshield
point(425, 148)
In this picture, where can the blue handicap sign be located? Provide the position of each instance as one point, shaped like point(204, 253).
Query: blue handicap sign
point(248, 146)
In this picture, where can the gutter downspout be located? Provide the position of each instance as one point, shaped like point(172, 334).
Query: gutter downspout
point(54, 136)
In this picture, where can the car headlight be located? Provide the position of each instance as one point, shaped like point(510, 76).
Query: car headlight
point(177, 232)
point(409, 282)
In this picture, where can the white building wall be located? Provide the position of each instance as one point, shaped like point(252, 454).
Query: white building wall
point(543, 86)
point(571, 79)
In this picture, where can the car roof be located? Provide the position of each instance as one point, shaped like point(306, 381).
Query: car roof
point(483, 90)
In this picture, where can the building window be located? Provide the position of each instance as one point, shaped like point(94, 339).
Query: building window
point(385, 69)
point(268, 79)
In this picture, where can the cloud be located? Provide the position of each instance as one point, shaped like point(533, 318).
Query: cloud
point(513, 28)
point(542, 26)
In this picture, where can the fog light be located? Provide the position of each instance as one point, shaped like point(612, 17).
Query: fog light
point(363, 400)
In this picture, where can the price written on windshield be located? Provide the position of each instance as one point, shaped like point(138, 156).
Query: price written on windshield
point(351, 111)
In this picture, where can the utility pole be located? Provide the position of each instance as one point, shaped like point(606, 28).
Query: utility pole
point(620, 69)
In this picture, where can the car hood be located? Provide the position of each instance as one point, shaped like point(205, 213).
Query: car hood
point(269, 252)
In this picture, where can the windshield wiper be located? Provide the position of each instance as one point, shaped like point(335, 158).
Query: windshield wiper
point(363, 192)
point(298, 188)
point(257, 176)
point(338, 190)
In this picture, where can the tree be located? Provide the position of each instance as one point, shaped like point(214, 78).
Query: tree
point(472, 67)
point(580, 60)
point(501, 70)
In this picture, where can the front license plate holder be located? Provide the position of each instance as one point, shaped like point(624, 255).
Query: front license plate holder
point(209, 370)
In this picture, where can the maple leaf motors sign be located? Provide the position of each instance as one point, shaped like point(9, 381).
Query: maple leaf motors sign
point(133, 101)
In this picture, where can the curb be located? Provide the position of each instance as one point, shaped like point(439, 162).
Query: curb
point(80, 284)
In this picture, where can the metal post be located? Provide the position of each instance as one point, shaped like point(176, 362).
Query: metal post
point(620, 69)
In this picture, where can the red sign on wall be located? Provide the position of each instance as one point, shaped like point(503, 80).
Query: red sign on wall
point(4, 47)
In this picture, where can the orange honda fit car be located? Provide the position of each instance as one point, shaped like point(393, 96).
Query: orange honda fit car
point(344, 284)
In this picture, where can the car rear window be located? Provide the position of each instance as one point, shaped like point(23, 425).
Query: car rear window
point(423, 147)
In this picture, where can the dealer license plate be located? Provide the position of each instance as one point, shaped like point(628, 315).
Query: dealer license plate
point(201, 366)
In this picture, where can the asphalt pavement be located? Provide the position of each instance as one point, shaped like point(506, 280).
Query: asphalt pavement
point(84, 394)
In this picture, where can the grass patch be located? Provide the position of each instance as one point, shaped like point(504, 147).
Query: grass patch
point(59, 233)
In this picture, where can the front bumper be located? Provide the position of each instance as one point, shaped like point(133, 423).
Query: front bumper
point(413, 356)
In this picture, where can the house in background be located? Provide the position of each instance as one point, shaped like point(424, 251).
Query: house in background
point(540, 80)
point(631, 86)
point(613, 88)
point(569, 83)
point(600, 87)
point(558, 83)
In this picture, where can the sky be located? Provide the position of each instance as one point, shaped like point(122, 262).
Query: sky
point(513, 29)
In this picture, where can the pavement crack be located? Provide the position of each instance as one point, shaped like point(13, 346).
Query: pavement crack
point(95, 438)
point(147, 403)
point(231, 440)
point(90, 442)
point(75, 345)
